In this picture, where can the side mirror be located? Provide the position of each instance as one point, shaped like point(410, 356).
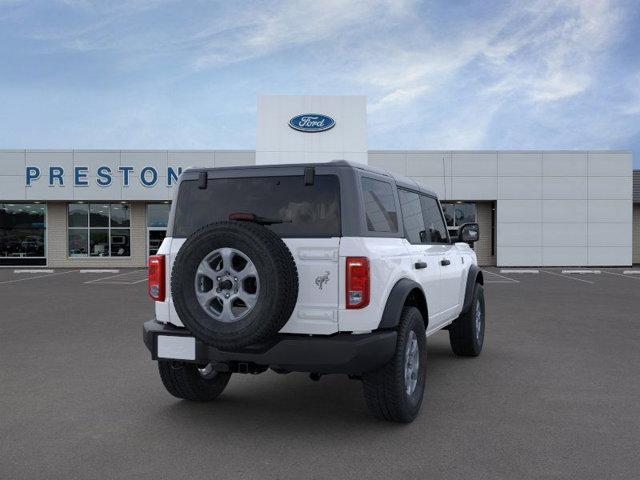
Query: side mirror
point(469, 233)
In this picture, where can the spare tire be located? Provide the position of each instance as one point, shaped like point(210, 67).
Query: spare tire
point(234, 284)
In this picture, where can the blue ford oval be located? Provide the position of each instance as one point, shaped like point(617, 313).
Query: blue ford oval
point(312, 122)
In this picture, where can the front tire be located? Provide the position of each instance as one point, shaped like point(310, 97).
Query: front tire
point(395, 392)
point(190, 382)
point(466, 333)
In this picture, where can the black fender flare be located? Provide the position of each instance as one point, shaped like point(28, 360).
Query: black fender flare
point(474, 276)
point(396, 301)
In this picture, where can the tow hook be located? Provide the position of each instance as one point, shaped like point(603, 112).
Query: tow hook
point(315, 376)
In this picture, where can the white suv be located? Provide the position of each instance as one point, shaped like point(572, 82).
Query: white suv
point(321, 268)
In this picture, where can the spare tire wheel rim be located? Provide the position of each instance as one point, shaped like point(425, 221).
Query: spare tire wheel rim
point(227, 284)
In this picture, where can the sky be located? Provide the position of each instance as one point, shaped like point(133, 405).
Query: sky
point(437, 75)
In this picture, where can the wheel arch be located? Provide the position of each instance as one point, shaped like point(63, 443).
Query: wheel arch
point(474, 276)
point(404, 292)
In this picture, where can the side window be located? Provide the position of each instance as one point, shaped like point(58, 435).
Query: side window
point(412, 217)
point(436, 229)
point(379, 206)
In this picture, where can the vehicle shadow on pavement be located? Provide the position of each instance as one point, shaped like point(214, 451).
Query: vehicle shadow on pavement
point(294, 401)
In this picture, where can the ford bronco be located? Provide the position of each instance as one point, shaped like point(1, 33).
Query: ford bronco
point(321, 268)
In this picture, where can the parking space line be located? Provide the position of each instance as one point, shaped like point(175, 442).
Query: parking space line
point(42, 270)
point(631, 272)
point(108, 282)
point(103, 270)
point(501, 276)
point(114, 276)
point(621, 275)
point(514, 270)
point(567, 276)
point(39, 276)
point(581, 272)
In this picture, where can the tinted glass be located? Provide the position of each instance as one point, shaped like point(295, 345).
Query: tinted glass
point(22, 230)
point(120, 213)
point(436, 230)
point(306, 211)
point(380, 207)
point(78, 214)
point(98, 215)
point(457, 214)
point(99, 243)
point(158, 214)
point(412, 216)
point(449, 214)
point(78, 242)
point(120, 242)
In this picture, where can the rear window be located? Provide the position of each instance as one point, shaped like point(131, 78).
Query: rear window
point(307, 211)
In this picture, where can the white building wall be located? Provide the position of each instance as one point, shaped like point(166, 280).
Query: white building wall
point(277, 142)
point(14, 162)
point(553, 207)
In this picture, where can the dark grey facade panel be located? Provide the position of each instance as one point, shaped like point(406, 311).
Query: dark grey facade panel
point(636, 186)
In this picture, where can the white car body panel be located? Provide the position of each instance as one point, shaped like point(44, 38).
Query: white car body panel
point(320, 309)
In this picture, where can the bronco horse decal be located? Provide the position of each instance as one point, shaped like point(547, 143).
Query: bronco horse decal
point(322, 279)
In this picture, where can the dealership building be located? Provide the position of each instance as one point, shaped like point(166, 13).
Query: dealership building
point(109, 208)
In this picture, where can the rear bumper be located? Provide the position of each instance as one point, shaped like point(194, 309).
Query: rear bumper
point(339, 353)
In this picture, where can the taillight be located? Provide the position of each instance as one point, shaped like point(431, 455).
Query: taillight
point(156, 277)
point(357, 294)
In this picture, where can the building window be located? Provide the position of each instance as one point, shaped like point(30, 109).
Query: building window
point(157, 219)
point(457, 214)
point(99, 230)
point(23, 233)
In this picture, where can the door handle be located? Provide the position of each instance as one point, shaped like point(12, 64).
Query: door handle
point(419, 265)
point(445, 261)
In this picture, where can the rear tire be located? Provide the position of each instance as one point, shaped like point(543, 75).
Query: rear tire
point(388, 391)
point(466, 333)
point(187, 381)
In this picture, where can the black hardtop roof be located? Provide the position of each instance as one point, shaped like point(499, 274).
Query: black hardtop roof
point(400, 180)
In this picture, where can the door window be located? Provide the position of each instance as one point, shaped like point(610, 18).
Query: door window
point(412, 217)
point(436, 231)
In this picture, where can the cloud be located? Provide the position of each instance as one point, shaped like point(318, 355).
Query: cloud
point(437, 75)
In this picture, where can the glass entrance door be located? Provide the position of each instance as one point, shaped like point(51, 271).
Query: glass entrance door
point(156, 236)
point(157, 217)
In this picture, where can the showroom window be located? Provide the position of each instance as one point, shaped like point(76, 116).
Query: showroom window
point(23, 233)
point(457, 214)
point(157, 219)
point(99, 230)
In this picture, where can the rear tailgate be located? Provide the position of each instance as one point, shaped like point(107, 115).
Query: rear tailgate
point(316, 259)
point(317, 309)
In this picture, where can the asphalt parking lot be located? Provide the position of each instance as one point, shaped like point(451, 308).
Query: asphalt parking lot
point(553, 395)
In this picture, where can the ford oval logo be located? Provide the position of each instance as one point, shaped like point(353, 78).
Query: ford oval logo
point(311, 122)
